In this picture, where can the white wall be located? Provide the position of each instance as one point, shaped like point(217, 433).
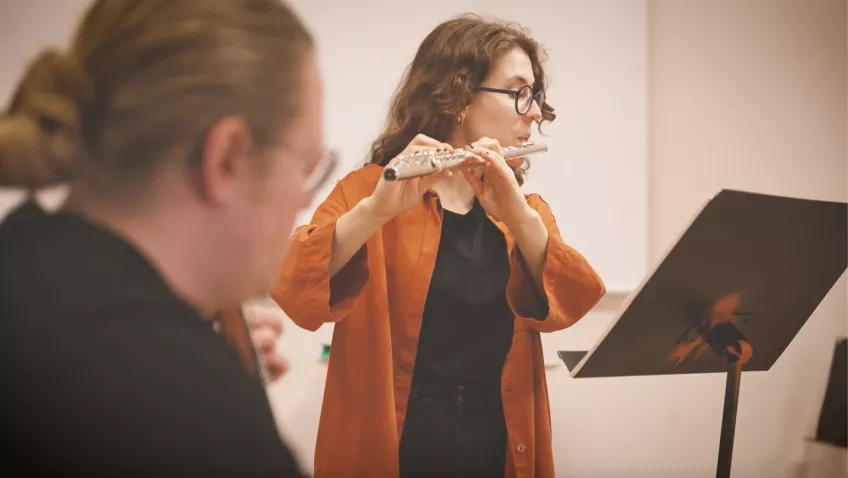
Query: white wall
point(748, 95)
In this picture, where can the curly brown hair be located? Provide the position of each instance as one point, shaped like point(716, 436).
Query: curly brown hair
point(456, 57)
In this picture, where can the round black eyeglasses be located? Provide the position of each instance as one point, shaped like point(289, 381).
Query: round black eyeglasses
point(524, 97)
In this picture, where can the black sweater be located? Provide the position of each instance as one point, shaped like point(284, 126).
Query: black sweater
point(106, 372)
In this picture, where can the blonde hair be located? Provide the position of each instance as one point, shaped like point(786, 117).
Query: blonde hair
point(144, 76)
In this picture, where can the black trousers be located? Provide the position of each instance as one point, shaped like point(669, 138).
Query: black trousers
point(453, 432)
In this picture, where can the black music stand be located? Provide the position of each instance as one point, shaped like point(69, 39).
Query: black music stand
point(743, 277)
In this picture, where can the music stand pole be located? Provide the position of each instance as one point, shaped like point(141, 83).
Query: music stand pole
point(726, 340)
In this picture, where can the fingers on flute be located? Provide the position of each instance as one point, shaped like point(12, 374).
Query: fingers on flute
point(491, 157)
point(424, 140)
point(484, 155)
point(445, 148)
point(495, 167)
point(477, 158)
point(487, 143)
point(425, 143)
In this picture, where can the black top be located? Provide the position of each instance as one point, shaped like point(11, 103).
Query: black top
point(467, 326)
point(106, 372)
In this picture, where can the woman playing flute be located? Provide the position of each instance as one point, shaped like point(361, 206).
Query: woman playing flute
point(440, 286)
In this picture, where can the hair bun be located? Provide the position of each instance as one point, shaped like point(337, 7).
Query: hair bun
point(41, 135)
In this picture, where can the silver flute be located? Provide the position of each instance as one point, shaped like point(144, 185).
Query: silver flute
point(426, 163)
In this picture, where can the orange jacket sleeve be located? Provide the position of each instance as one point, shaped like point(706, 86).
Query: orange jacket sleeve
point(571, 287)
point(304, 289)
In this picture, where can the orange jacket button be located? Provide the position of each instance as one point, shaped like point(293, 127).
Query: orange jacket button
point(521, 448)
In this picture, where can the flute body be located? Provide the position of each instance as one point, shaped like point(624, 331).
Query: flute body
point(428, 162)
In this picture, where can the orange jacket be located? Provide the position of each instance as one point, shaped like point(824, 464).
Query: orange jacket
point(377, 301)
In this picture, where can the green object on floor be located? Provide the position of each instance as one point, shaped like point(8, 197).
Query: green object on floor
point(325, 353)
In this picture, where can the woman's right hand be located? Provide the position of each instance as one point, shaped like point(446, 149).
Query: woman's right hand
point(391, 198)
point(388, 199)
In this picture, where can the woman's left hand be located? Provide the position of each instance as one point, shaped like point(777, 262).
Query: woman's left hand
point(498, 191)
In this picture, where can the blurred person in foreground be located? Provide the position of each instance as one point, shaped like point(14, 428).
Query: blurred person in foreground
point(439, 287)
point(190, 135)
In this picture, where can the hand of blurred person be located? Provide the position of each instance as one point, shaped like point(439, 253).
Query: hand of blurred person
point(266, 327)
